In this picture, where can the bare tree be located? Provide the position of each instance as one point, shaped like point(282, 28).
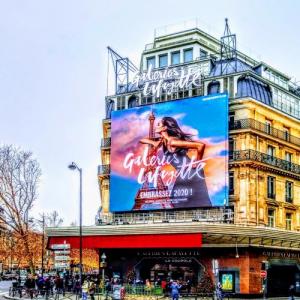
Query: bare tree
point(53, 219)
point(19, 179)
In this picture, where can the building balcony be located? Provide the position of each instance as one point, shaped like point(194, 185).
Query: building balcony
point(103, 170)
point(264, 128)
point(213, 215)
point(105, 143)
point(276, 165)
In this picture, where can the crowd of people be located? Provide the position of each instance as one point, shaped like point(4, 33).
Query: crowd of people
point(114, 288)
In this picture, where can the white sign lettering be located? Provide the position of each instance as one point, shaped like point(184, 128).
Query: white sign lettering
point(169, 80)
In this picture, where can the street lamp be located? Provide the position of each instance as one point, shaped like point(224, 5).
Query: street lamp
point(103, 258)
point(43, 243)
point(73, 166)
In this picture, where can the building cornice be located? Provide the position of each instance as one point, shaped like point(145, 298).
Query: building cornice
point(236, 231)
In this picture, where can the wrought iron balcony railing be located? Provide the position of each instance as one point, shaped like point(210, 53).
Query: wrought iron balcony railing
point(265, 128)
point(214, 215)
point(265, 159)
point(105, 143)
point(103, 170)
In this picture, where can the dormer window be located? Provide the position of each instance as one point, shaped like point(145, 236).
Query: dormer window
point(151, 62)
point(175, 58)
point(188, 55)
point(163, 60)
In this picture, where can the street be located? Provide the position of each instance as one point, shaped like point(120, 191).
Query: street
point(4, 287)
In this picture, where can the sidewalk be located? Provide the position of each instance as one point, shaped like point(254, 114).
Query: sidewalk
point(100, 297)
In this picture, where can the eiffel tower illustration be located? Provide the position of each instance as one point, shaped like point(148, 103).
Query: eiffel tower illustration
point(148, 194)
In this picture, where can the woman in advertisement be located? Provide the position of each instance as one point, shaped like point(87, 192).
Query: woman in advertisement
point(189, 189)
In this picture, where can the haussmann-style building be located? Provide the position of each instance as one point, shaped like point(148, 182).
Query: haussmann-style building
point(252, 241)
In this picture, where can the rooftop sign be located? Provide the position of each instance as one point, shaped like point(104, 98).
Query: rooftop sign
point(168, 80)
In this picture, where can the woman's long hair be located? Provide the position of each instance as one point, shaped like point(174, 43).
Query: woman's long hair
point(173, 129)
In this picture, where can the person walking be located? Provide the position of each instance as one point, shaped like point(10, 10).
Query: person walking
point(77, 285)
point(219, 291)
point(92, 290)
point(292, 292)
point(30, 285)
point(175, 287)
point(85, 288)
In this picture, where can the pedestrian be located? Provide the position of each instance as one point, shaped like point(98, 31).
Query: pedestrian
point(175, 287)
point(116, 290)
point(30, 285)
point(77, 285)
point(92, 290)
point(219, 291)
point(189, 286)
point(107, 287)
point(47, 286)
point(85, 289)
point(164, 286)
point(292, 292)
point(59, 285)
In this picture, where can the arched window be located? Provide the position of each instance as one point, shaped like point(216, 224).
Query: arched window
point(213, 87)
point(132, 101)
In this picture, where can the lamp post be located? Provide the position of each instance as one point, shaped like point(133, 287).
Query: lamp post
point(103, 258)
point(73, 166)
point(43, 243)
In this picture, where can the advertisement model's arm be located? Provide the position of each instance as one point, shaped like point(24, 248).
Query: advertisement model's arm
point(153, 142)
point(176, 143)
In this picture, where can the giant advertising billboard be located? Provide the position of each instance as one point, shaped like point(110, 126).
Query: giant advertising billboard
point(170, 155)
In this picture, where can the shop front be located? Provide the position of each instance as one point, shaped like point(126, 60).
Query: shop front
point(198, 255)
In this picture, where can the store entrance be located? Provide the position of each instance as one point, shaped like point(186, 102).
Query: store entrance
point(159, 269)
point(280, 278)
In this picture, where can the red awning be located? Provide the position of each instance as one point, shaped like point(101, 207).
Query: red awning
point(176, 240)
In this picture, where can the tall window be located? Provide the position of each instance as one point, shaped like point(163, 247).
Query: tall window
point(271, 217)
point(231, 183)
point(286, 133)
point(271, 187)
point(175, 58)
point(268, 127)
point(231, 119)
point(163, 60)
point(289, 186)
point(271, 151)
point(203, 54)
point(188, 55)
point(288, 221)
point(288, 158)
point(121, 103)
point(151, 62)
point(231, 148)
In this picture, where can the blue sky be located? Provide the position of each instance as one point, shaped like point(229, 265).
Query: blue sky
point(53, 62)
